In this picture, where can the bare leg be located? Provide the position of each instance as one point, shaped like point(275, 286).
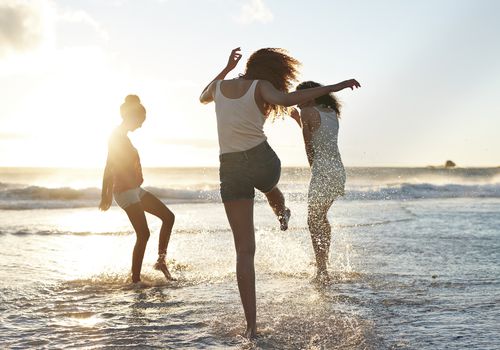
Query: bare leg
point(327, 235)
point(136, 215)
point(277, 202)
point(154, 206)
point(321, 233)
point(240, 216)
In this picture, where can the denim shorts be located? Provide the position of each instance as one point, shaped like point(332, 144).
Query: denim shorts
point(241, 172)
point(129, 197)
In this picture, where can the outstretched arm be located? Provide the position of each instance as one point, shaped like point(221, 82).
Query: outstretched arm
point(273, 96)
point(207, 95)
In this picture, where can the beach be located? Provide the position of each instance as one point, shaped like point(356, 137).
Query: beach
point(414, 261)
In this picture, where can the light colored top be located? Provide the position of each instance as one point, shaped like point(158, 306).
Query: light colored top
point(240, 123)
point(324, 140)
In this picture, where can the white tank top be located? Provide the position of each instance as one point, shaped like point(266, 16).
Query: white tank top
point(240, 123)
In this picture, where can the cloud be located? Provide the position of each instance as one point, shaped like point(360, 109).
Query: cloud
point(22, 26)
point(255, 11)
point(25, 26)
point(80, 16)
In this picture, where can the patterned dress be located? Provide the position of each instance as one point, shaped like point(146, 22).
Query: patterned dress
point(327, 171)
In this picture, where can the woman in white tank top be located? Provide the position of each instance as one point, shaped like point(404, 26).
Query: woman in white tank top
point(246, 159)
point(320, 128)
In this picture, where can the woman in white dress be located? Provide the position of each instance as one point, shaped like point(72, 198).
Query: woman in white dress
point(320, 127)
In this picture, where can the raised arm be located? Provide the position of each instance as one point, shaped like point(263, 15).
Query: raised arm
point(273, 96)
point(208, 92)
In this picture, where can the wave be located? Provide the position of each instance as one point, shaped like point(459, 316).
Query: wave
point(425, 191)
point(35, 197)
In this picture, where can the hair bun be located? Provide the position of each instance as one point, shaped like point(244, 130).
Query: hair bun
point(132, 99)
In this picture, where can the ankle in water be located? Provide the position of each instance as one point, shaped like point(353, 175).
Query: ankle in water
point(283, 218)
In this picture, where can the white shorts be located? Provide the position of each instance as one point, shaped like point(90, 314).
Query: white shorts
point(129, 197)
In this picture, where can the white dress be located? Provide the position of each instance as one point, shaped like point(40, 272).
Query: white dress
point(327, 171)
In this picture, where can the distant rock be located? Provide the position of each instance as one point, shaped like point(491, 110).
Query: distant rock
point(449, 164)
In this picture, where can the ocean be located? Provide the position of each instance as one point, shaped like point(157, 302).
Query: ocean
point(415, 260)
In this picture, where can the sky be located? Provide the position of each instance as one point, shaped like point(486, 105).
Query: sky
point(429, 70)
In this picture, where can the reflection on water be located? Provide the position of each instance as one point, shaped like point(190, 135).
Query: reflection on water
point(424, 283)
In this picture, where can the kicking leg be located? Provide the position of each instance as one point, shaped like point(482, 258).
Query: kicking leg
point(277, 202)
point(154, 206)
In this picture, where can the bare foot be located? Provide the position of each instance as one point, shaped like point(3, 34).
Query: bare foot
point(141, 284)
point(284, 218)
point(161, 265)
point(250, 333)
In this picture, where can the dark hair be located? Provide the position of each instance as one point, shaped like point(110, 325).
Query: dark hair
point(329, 100)
point(132, 107)
point(275, 66)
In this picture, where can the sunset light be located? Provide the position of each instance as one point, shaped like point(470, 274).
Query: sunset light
point(249, 174)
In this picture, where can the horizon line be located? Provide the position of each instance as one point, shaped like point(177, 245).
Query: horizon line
point(283, 167)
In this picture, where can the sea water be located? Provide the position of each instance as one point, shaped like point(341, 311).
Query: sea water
point(414, 259)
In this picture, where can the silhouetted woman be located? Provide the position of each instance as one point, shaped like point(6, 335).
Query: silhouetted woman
point(320, 128)
point(247, 161)
point(123, 178)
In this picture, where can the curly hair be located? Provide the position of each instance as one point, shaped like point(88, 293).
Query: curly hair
point(276, 66)
point(329, 100)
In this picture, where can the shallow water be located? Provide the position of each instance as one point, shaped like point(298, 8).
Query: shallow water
point(407, 274)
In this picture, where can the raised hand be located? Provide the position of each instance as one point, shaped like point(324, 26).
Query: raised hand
point(233, 60)
point(351, 83)
point(207, 95)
